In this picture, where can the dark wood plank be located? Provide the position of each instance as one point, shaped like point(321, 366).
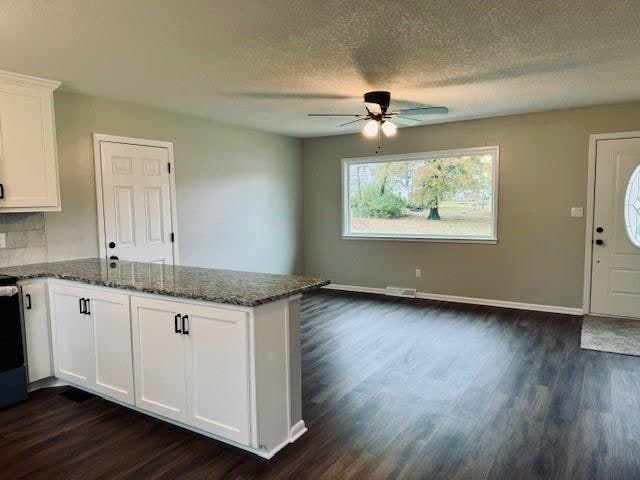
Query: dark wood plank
point(392, 388)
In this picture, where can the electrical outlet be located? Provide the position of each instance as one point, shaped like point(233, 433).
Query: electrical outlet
point(3, 240)
point(418, 273)
point(577, 212)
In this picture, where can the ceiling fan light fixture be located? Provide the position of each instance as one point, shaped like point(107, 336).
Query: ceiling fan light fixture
point(389, 128)
point(371, 128)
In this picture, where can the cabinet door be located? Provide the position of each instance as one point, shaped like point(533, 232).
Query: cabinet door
point(113, 354)
point(72, 330)
point(159, 358)
point(217, 372)
point(36, 326)
point(28, 165)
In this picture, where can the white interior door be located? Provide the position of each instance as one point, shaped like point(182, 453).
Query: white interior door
point(615, 282)
point(217, 372)
point(136, 198)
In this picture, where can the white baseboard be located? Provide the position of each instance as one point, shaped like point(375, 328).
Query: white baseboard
point(297, 431)
point(471, 300)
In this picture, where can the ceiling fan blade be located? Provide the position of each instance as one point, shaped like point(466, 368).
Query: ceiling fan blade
point(408, 118)
point(424, 111)
point(352, 121)
point(406, 121)
point(335, 115)
point(374, 108)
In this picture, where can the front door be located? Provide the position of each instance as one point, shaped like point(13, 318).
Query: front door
point(615, 281)
point(136, 194)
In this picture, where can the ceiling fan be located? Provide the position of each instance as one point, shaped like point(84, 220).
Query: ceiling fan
point(378, 114)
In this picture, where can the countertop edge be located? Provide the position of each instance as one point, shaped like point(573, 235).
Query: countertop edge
point(130, 288)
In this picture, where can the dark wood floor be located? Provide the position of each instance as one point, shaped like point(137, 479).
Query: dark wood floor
point(392, 389)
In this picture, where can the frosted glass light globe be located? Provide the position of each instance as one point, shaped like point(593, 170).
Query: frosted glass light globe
point(370, 129)
point(389, 129)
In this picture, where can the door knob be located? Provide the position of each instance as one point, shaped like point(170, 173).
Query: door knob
point(112, 244)
point(599, 242)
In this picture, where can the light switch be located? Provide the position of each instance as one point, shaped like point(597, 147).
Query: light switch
point(3, 240)
point(577, 212)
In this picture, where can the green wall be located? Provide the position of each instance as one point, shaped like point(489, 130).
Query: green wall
point(238, 190)
point(539, 257)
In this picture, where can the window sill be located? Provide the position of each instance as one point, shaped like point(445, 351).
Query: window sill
point(418, 238)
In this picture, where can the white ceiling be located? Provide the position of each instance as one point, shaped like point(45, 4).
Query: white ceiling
point(266, 63)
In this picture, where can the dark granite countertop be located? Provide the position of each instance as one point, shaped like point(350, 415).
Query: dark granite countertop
point(220, 286)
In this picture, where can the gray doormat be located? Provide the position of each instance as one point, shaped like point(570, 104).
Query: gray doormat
point(614, 335)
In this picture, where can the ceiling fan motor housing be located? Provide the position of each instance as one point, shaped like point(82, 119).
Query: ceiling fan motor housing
point(382, 98)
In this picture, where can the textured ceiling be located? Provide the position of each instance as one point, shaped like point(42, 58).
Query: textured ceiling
point(266, 63)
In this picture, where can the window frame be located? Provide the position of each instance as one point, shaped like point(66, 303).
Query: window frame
point(346, 210)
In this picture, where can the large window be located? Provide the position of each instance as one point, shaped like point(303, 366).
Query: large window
point(446, 196)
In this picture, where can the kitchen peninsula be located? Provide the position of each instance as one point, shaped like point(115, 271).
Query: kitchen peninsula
point(214, 351)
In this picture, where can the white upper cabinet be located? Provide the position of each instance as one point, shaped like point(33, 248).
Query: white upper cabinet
point(28, 157)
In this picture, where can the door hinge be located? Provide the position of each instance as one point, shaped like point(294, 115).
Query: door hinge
point(172, 237)
point(169, 167)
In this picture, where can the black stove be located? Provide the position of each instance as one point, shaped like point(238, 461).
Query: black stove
point(13, 375)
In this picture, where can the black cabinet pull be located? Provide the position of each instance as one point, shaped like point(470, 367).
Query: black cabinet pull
point(81, 301)
point(28, 298)
point(599, 242)
point(185, 324)
point(1, 191)
point(175, 323)
point(87, 304)
point(113, 257)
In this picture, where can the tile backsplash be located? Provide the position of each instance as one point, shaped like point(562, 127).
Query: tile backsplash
point(25, 239)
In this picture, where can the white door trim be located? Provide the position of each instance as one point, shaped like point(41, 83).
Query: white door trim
point(591, 190)
point(101, 137)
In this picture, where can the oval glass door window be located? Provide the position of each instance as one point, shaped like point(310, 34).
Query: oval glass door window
point(632, 207)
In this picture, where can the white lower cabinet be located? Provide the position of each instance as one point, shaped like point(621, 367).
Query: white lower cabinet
point(159, 358)
point(191, 365)
point(35, 312)
point(112, 339)
point(217, 372)
point(222, 371)
point(73, 345)
point(92, 339)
